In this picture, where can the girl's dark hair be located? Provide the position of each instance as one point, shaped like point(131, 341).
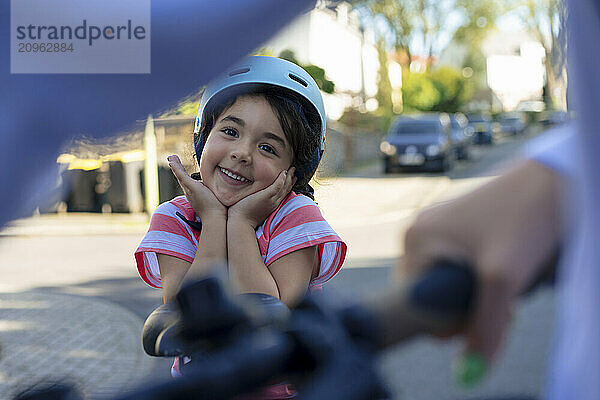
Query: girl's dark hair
point(299, 120)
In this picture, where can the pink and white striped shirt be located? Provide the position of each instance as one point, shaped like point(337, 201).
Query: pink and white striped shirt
point(297, 223)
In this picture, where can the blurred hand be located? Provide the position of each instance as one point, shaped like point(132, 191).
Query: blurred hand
point(505, 230)
point(258, 206)
point(202, 199)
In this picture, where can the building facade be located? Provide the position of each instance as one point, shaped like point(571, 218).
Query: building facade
point(331, 37)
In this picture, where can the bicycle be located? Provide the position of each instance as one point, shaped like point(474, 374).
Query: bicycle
point(269, 341)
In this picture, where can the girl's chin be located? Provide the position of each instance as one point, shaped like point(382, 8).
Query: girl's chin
point(229, 199)
point(226, 201)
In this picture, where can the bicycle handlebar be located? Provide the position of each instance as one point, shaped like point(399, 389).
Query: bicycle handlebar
point(228, 328)
point(253, 338)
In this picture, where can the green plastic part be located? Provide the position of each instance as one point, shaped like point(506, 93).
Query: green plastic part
point(470, 370)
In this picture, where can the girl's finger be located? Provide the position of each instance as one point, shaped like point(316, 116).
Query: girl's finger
point(291, 179)
point(280, 182)
point(178, 169)
point(286, 185)
point(485, 334)
point(274, 191)
point(175, 163)
point(287, 177)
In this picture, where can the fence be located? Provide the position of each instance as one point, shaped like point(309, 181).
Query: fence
point(344, 151)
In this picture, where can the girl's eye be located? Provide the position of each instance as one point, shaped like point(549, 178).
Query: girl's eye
point(268, 148)
point(229, 131)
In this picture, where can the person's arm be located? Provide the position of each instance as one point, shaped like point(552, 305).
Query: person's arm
point(211, 249)
point(292, 274)
point(506, 230)
point(247, 271)
point(212, 242)
point(286, 278)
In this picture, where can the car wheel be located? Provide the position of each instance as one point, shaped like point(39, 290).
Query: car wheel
point(387, 166)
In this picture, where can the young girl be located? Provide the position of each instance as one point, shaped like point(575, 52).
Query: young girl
point(259, 136)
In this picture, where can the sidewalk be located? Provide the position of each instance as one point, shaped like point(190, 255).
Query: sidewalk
point(77, 224)
point(57, 320)
point(50, 337)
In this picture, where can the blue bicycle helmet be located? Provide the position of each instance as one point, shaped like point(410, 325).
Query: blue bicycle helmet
point(265, 70)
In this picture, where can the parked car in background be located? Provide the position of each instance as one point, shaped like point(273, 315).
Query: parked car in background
point(482, 126)
point(553, 117)
point(460, 135)
point(418, 142)
point(512, 123)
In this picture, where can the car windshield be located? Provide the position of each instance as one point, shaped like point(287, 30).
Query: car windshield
point(509, 119)
point(407, 128)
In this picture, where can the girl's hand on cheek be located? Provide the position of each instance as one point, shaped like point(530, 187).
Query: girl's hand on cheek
point(256, 208)
point(202, 199)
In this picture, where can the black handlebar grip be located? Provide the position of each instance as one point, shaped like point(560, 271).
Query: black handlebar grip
point(447, 289)
point(207, 310)
point(436, 302)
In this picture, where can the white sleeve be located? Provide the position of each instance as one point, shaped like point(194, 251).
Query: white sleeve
point(556, 149)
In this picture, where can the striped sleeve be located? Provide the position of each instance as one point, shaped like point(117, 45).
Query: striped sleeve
point(299, 224)
point(167, 234)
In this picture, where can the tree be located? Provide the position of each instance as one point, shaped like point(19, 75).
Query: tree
point(423, 22)
point(419, 92)
point(407, 20)
point(454, 90)
point(384, 86)
point(546, 21)
point(479, 18)
point(398, 17)
point(431, 15)
point(443, 89)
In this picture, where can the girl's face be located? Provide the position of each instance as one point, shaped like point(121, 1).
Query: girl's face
point(245, 151)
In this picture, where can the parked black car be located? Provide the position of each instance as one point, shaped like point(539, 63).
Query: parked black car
point(482, 126)
point(418, 142)
point(460, 135)
point(511, 123)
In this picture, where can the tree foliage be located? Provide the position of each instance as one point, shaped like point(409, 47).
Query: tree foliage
point(406, 21)
point(419, 92)
point(479, 18)
point(443, 89)
point(398, 17)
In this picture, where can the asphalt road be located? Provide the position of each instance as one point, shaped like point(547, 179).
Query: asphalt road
point(422, 369)
point(370, 211)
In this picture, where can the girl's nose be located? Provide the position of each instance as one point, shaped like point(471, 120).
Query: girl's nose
point(242, 153)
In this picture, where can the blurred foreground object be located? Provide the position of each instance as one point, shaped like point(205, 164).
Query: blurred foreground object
point(191, 42)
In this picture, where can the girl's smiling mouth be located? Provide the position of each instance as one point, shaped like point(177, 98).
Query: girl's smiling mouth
point(232, 177)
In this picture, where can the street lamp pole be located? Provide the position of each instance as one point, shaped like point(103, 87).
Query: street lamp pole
point(150, 167)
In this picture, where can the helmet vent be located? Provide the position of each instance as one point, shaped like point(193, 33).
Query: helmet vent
point(239, 71)
point(298, 79)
